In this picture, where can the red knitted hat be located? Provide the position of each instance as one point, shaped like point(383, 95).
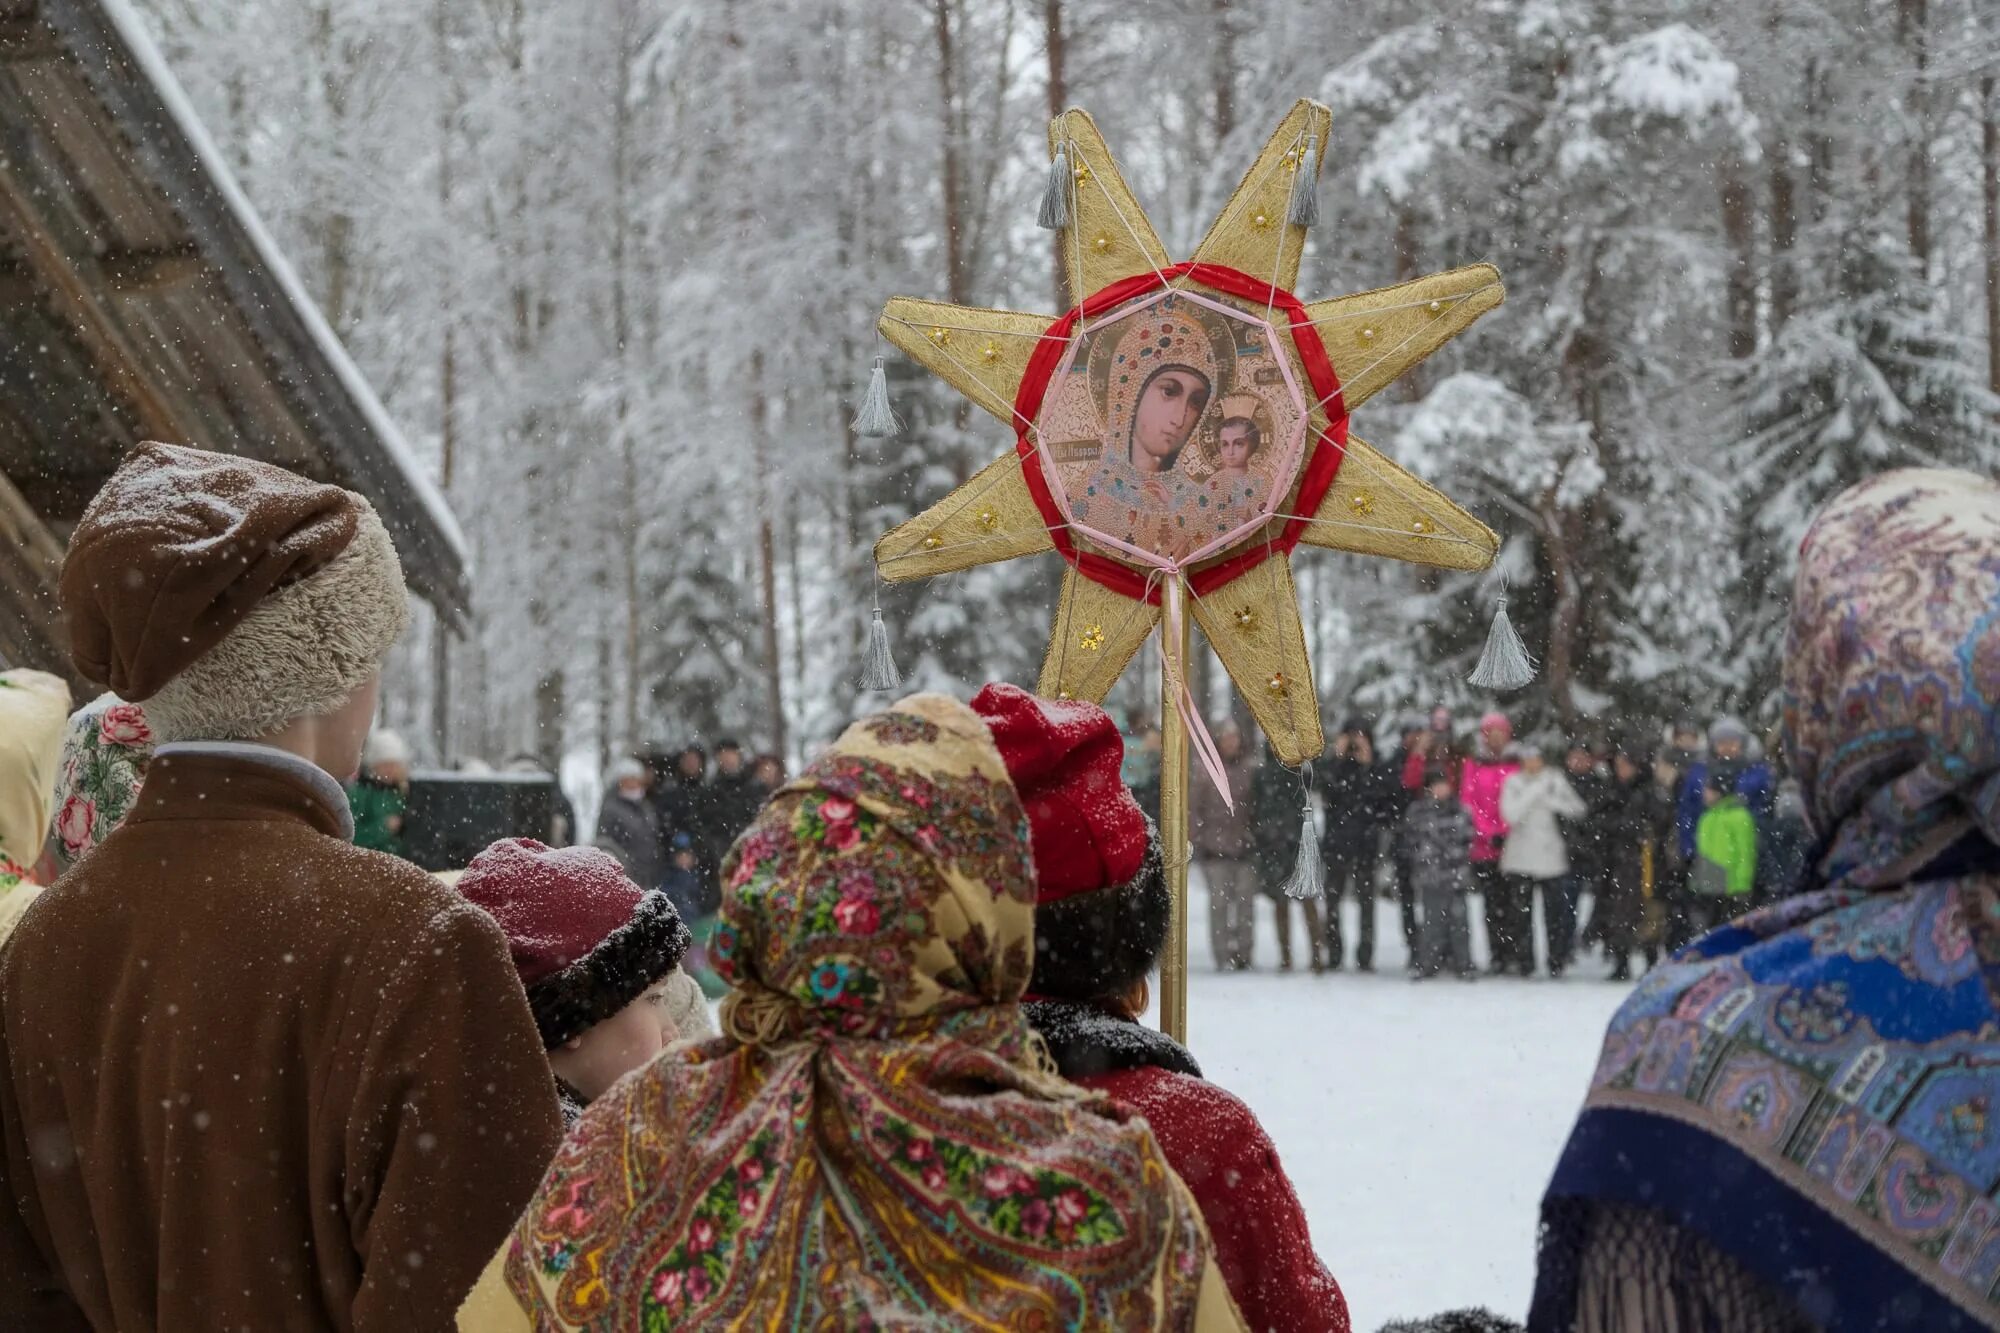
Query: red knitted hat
point(585, 940)
point(1087, 832)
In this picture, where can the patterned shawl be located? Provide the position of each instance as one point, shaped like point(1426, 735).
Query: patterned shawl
point(876, 1141)
point(1813, 1092)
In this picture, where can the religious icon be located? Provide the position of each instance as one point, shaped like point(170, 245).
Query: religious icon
point(1135, 421)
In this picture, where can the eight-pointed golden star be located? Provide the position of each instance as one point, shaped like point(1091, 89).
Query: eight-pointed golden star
point(1373, 506)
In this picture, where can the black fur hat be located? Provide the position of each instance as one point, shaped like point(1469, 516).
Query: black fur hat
point(1092, 945)
point(618, 971)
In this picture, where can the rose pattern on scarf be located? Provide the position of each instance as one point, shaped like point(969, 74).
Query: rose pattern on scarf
point(104, 755)
point(692, 1271)
point(124, 724)
point(1043, 1206)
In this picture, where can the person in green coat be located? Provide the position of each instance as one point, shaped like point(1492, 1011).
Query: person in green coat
point(1725, 843)
point(380, 796)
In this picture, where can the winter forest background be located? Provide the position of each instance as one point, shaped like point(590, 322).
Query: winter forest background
point(614, 267)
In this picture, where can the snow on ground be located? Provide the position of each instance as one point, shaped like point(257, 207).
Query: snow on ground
point(1419, 1121)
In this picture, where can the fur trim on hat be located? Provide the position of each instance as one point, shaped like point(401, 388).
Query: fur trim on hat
point(631, 958)
point(301, 653)
point(1476, 1320)
point(1092, 945)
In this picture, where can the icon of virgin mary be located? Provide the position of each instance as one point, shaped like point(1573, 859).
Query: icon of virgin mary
point(1154, 374)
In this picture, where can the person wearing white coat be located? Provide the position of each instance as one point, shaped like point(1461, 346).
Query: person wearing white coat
point(1532, 802)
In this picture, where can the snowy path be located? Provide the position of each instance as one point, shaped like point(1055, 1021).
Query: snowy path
point(1419, 1121)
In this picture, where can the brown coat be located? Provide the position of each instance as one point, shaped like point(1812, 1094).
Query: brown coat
point(255, 1077)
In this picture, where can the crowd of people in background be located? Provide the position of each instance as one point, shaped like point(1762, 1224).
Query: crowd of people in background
point(1628, 845)
point(255, 1072)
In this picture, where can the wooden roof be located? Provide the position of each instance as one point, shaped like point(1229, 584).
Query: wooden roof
point(141, 298)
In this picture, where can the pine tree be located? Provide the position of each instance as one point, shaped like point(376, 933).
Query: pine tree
point(1871, 380)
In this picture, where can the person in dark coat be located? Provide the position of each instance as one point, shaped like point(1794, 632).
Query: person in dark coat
point(1100, 924)
point(1641, 850)
point(629, 828)
point(1409, 787)
point(695, 898)
point(1436, 843)
point(1219, 833)
point(1590, 777)
point(1363, 795)
point(683, 799)
point(1787, 845)
point(1277, 814)
point(735, 796)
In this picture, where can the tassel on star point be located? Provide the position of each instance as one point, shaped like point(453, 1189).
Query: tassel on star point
point(876, 420)
point(1505, 665)
point(1055, 194)
point(1303, 210)
point(878, 673)
point(1308, 878)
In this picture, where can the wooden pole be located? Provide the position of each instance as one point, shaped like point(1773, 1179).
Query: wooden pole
point(1174, 819)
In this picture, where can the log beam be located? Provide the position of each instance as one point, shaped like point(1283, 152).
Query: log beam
point(31, 632)
point(128, 271)
point(24, 37)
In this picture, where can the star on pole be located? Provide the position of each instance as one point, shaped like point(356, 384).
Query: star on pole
point(1315, 363)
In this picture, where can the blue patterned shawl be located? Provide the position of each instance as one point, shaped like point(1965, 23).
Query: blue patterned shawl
point(1813, 1092)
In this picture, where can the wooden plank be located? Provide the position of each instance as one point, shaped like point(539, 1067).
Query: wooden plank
point(24, 37)
point(61, 254)
point(61, 430)
point(126, 211)
point(31, 630)
point(138, 271)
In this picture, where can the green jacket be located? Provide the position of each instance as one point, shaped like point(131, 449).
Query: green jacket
point(1726, 836)
point(375, 805)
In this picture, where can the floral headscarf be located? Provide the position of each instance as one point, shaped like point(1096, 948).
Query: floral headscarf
point(1892, 673)
point(876, 1141)
point(104, 755)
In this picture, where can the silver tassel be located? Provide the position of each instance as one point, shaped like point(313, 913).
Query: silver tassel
point(1055, 195)
point(879, 674)
point(1304, 208)
point(876, 420)
point(1505, 665)
point(1308, 877)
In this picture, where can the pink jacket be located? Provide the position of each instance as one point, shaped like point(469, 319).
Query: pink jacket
point(1480, 781)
